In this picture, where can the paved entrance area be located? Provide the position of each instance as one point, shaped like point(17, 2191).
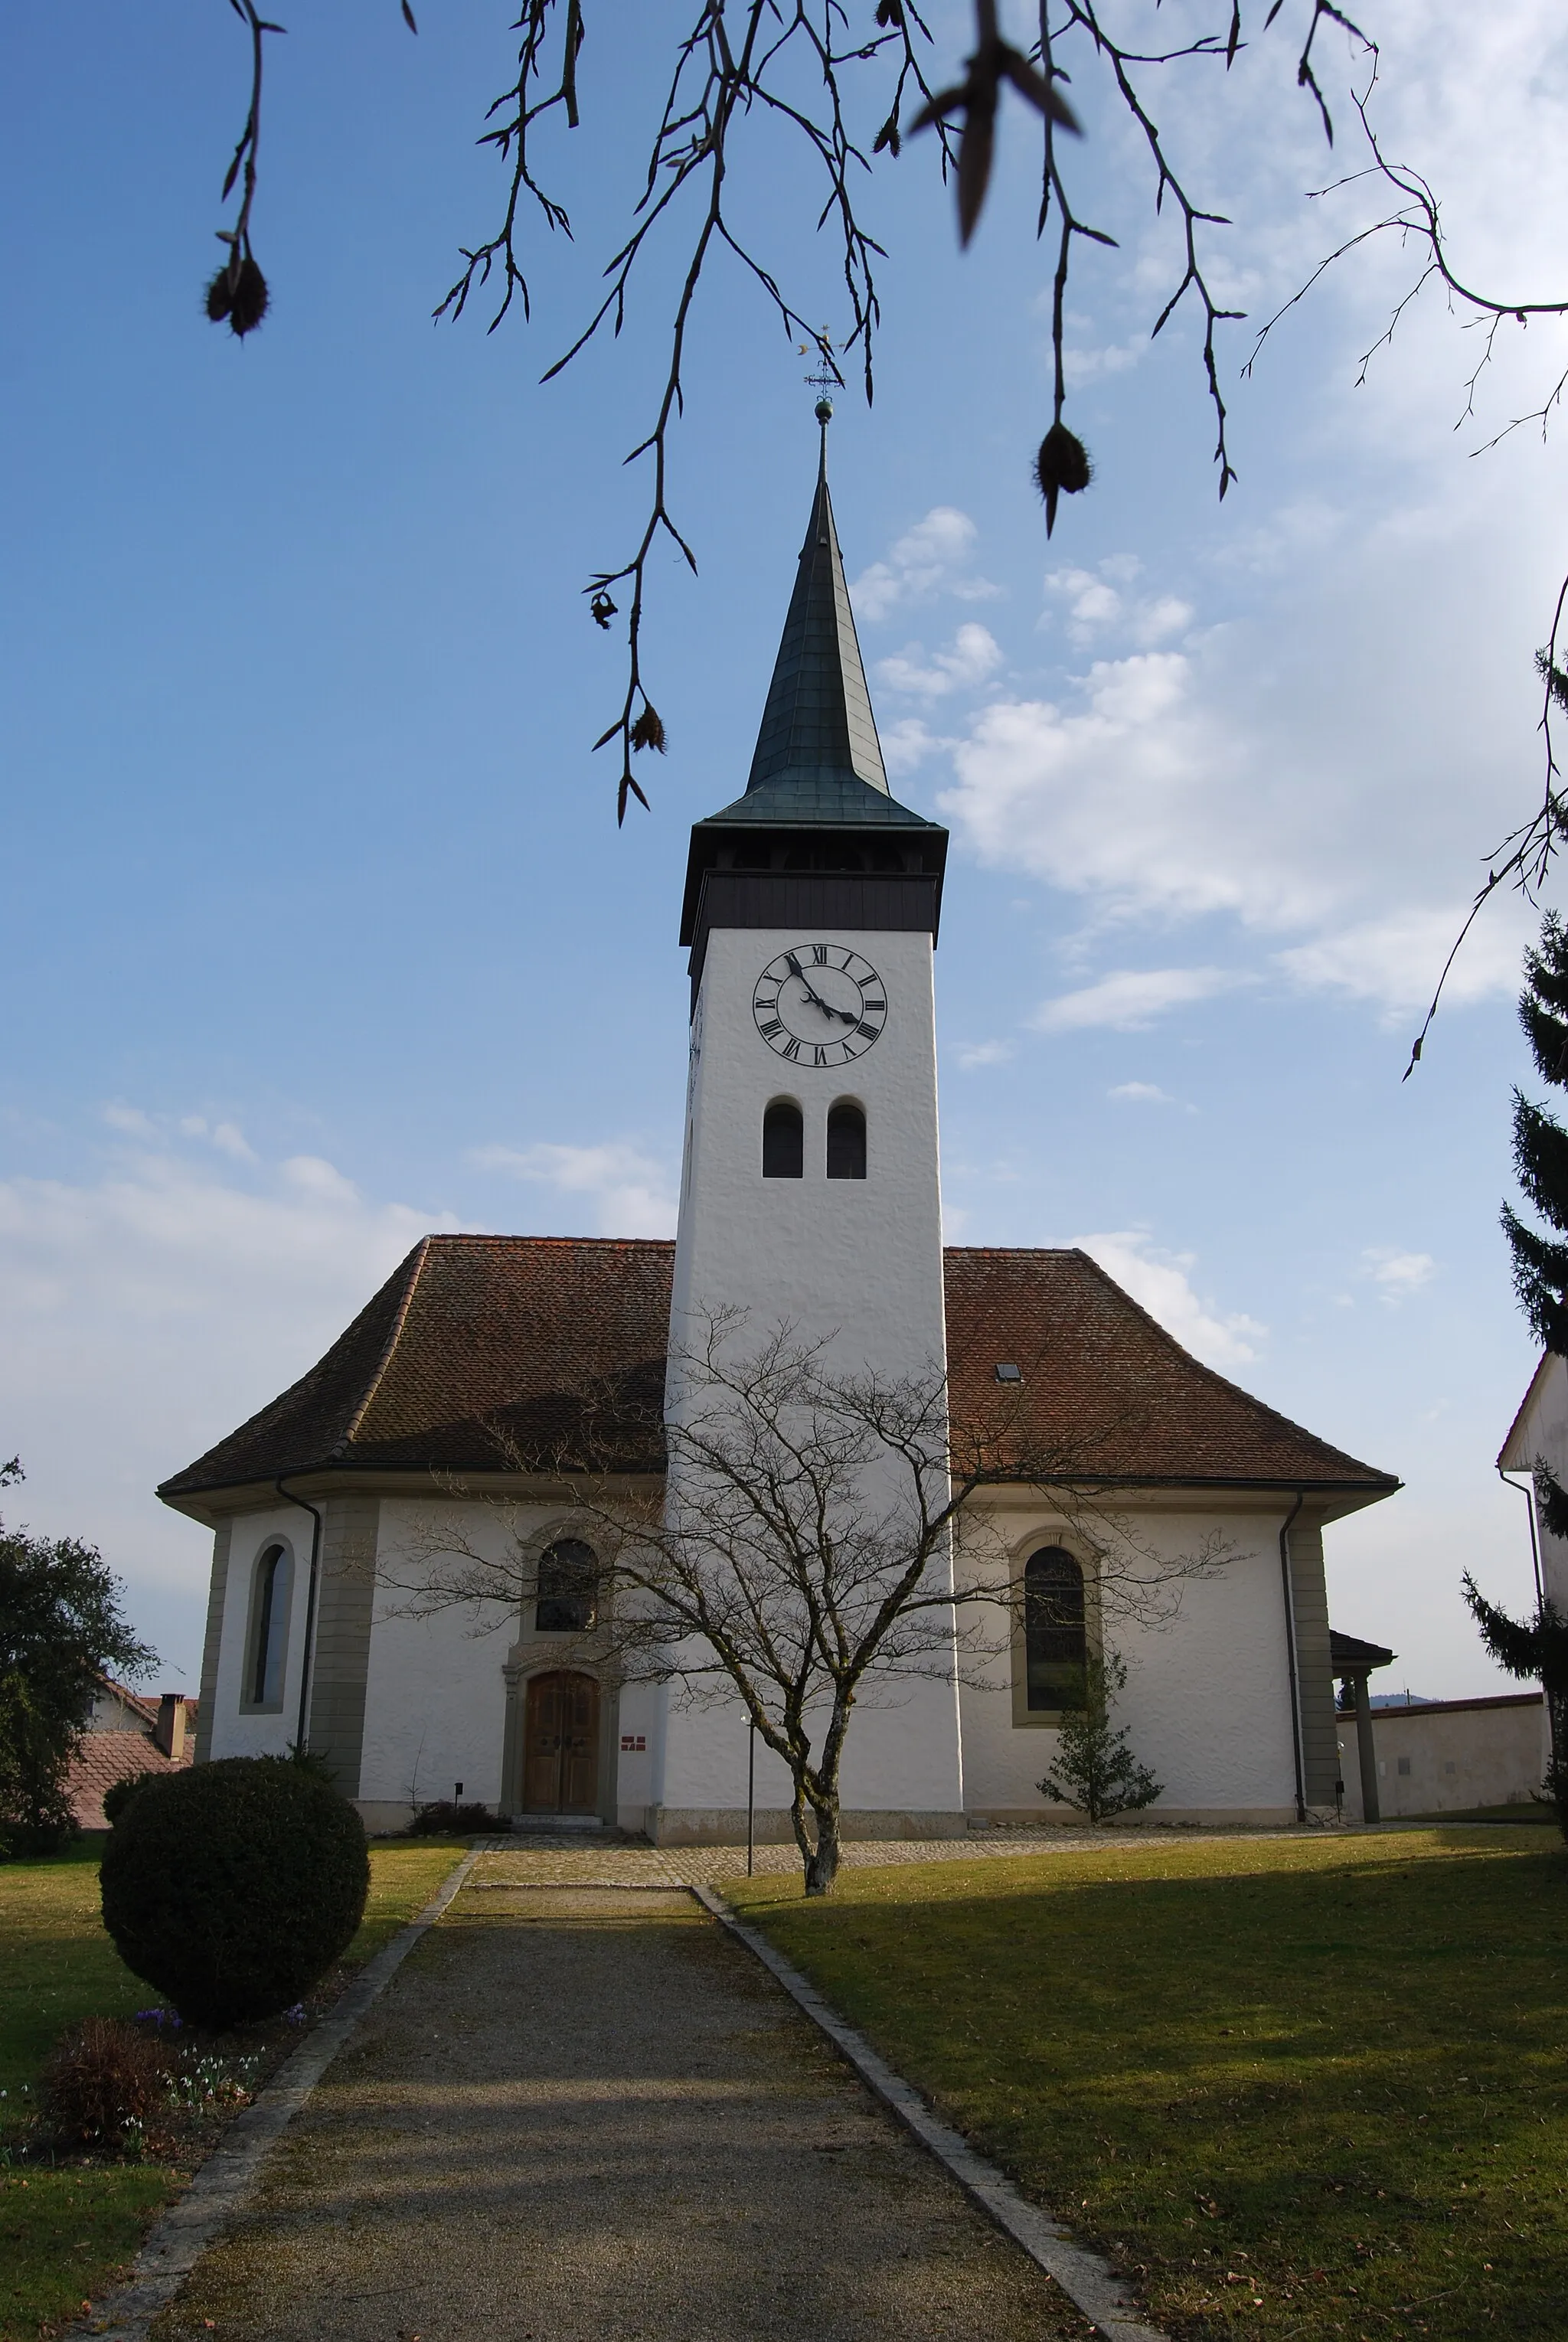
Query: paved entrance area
point(584, 2113)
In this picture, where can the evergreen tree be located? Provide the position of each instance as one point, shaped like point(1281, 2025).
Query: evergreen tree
point(1541, 1146)
point(1537, 1652)
point(1095, 1769)
point(60, 1627)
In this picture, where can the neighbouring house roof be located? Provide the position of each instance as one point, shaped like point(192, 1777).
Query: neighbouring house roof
point(102, 1758)
point(134, 1710)
point(1348, 1655)
point(532, 1335)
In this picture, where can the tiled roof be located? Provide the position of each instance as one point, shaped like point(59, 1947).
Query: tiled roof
point(102, 1759)
point(531, 1333)
point(1106, 1386)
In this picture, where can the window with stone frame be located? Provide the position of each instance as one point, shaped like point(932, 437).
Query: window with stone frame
point(1055, 1630)
point(267, 1640)
point(567, 1593)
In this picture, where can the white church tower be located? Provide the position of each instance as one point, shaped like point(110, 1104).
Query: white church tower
point(810, 1189)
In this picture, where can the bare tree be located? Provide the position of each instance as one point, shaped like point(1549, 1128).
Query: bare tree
point(846, 82)
point(799, 1555)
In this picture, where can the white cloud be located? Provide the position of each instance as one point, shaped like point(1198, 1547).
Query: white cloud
point(1161, 1283)
point(1131, 998)
point(977, 1054)
point(1097, 600)
point(632, 1191)
point(932, 558)
point(906, 743)
point(1395, 961)
point(1397, 1275)
point(974, 656)
point(150, 1309)
point(1142, 1094)
point(1117, 798)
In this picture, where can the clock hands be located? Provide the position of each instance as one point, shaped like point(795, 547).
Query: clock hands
point(844, 1016)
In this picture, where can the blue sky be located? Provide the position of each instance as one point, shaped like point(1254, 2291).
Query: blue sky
point(318, 931)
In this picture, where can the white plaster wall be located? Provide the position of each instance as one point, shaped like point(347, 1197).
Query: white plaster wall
point(1459, 1757)
point(1207, 1700)
point(234, 1734)
point(860, 1260)
point(1544, 1431)
point(901, 1755)
point(862, 1257)
point(435, 1698)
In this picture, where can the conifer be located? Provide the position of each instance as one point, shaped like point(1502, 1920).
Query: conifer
point(1537, 1650)
point(1541, 1145)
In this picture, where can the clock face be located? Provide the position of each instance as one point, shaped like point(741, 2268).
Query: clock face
point(820, 1005)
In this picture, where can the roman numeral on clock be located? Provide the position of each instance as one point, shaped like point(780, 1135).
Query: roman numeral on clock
point(767, 1031)
point(791, 1052)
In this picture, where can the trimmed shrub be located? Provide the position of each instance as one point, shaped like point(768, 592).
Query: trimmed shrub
point(105, 2085)
point(233, 1887)
point(118, 1796)
point(445, 1819)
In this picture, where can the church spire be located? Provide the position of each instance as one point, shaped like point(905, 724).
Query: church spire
point(817, 725)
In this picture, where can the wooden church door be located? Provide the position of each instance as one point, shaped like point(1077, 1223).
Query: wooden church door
point(561, 1769)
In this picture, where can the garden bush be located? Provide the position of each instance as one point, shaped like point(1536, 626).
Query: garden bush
point(233, 1887)
point(118, 1796)
point(445, 1819)
point(105, 2085)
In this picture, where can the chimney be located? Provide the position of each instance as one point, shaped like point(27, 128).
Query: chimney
point(169, 1732)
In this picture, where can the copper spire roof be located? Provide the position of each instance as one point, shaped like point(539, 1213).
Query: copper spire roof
point(818, 719)
point(817, 758)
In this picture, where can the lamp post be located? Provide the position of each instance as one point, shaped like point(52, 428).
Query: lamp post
point(751, 1793)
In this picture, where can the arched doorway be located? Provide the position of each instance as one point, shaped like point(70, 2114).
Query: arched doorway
point(560, 1745)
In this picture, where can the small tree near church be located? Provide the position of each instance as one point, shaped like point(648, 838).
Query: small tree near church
point(1094, 1768)
point(798, 1558)
point(1537, 1650)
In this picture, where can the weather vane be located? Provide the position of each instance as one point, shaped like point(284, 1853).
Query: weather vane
point(824, 377)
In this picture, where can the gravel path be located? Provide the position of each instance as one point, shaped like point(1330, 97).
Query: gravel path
point(606, 1858)
point(588, 2116)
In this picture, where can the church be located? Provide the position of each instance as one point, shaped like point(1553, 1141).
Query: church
point(810, 1192)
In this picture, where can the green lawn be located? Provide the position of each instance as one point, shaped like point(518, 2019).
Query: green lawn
point(1300, 2087)
point(64, 2232)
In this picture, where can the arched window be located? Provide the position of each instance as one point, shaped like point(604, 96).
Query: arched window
point(784, 1141)
point(846, 1141)
point(269, 1627)
point(1055, 1644)
point(567, 1579)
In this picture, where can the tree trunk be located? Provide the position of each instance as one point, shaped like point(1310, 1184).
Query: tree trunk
point(821, 1863)
point(818, 1854)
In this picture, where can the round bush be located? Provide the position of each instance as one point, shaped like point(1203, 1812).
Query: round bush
point(233, 1887)
point(118, 1795)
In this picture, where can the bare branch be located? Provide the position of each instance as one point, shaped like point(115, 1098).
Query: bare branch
point(798, 1554)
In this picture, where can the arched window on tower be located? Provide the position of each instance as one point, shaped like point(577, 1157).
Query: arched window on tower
point(845, 1140)
point(784, 1141)
point(568, 1573)
point(1056, 1640)
point(269, 1627)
